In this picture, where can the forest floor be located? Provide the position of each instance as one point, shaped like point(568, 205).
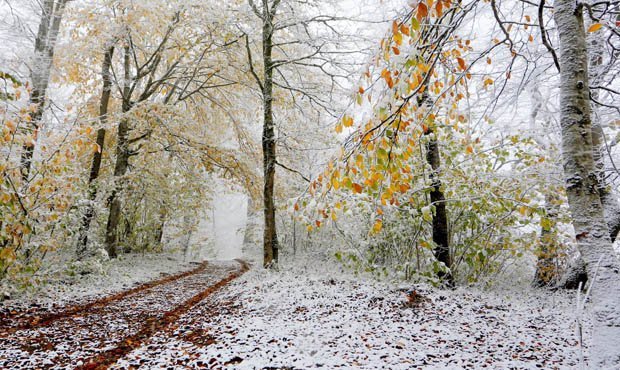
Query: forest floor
point(216, 316)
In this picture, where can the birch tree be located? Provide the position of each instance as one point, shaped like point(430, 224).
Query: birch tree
point(582, 184)
point(45, 44)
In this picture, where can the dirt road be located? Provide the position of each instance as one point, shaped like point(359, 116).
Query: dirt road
point(96, 334)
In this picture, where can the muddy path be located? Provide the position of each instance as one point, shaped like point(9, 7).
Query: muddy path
point(96, 334)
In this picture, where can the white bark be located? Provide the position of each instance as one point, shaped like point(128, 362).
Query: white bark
point(581, 182)
point(609, 196)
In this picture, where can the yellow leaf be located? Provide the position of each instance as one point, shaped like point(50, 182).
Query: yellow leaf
point(415, 24)
point(469, 149)
point(377, 226)
point(339, 128)
point(347, 121)
point(398, 38)
point(595, 27)
point(335, 183)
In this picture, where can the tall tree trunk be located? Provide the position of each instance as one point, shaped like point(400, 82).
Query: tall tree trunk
point(121, 165)
point(581, 181)
point(96, 162)
point(45, 44)
point(270, 238)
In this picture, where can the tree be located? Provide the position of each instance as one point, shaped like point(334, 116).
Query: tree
point(291, 50)
point(106, 73)
point(581, 179)
point(267, 13)
point(45, 44)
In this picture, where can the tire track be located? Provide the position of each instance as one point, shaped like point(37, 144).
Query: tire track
point(109, 357)
point(30, 319)
point(97, 335)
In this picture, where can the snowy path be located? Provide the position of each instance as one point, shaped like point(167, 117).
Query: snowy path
point(98, 333)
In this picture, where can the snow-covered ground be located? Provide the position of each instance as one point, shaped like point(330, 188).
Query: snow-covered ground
point(308, 317)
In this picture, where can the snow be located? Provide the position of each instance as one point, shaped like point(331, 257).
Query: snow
point(309, 317)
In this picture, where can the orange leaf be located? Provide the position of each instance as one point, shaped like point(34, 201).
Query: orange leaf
point(462, 64)
point(439, 8)
point(595, 27)
point(404, 29)
point(422, 10)
point(357, 188)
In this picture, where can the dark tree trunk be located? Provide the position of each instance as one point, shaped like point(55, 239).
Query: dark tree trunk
point(96, 162)
point(120, 167)
point(441, 235)
point(270, 238)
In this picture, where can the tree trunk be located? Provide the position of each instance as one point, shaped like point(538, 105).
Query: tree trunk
point(96, 162)
point(581, 181)
point(546, 263)
point(45, 44)
point(440, 216)
point(270, 238)
point(609, 198)
point(121, 165)
point(441, 236)
point(547, 254)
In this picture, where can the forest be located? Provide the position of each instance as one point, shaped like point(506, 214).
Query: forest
point(291, 184)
